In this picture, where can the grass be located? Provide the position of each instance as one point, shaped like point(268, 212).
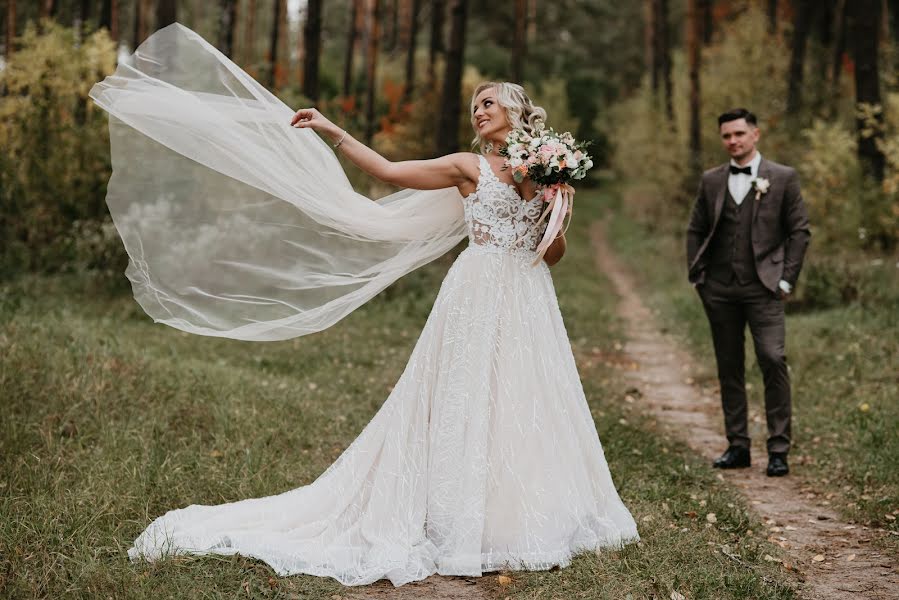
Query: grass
point(844, 365)
point(110, 420)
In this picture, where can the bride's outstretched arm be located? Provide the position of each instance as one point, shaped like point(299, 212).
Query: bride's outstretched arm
point(452, 170)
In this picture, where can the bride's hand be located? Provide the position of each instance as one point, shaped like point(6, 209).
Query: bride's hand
point(312, 119)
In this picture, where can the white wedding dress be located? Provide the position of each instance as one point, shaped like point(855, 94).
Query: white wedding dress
point(484, 456)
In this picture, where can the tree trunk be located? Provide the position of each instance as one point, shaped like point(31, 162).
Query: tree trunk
point(10, 27)
point(84, 13)
point(312, 33)
point(801, 26)
point(708, 21)
point(412, 42)
point(352, 36)
point(451, 106)
point(519, 43)
point(227, 17)
point(436, 38)
point(109, 18)
point(249, 34)
point(893, 10)
point(839, 48)
point(166, 13)
point(694, 35)
point(772, 16)
point(48, 9)
point(282, 66)
point(649, 43)
point(371, 65)
point(664, 46)
point(864, 29)
point(273, 43)
point(394, 22)
point(140, 23)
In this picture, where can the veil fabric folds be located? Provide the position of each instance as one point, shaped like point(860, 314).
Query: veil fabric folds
point(236, 224)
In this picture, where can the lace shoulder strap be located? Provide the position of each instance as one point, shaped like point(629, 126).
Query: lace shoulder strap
point(486, 171)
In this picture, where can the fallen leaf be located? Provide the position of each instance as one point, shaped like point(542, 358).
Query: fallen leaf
point(818, 558)
point(711, 518)
point(675, 595)
point(850, 558)
point(504, 580)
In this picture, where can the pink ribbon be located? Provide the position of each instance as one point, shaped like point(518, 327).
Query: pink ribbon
point(560, 197)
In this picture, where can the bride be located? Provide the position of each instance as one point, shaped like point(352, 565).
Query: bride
point(485, 455)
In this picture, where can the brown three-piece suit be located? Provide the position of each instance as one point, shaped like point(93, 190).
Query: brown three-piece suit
point(737, 255)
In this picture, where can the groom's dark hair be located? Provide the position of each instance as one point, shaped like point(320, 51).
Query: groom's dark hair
point(737, 113)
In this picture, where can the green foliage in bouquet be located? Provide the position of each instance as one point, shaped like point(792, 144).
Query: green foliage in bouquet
point(547, 157)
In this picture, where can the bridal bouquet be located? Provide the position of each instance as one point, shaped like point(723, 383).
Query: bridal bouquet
point(551, 160)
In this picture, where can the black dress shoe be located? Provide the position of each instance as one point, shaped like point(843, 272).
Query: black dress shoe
point(777, 464)
point(735, 457)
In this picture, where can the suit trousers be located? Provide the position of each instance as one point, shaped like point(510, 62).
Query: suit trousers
point(729, 308)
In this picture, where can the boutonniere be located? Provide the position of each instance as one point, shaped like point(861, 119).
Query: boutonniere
point(760, 185)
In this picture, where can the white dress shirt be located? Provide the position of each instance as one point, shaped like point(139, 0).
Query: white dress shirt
point(739, 185)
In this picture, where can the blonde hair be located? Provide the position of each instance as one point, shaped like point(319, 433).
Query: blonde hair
point(520, 110)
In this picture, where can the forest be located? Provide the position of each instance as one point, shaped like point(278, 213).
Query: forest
point(109, 419)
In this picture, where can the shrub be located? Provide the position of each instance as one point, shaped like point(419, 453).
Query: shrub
point(56, 161)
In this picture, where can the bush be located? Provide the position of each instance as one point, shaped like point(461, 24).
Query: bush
point(54, 170)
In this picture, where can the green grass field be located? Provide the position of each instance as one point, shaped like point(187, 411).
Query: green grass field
point(109, 420)
point(844, 366)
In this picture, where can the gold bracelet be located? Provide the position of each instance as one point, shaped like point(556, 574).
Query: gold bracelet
point(343, 137)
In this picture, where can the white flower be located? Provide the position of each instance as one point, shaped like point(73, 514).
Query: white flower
point(762, 185)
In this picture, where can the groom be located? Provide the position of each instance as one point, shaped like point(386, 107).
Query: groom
point(745, 245)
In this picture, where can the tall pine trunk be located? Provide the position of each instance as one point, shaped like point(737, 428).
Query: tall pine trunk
point(708, 21)
point(140, 23)
point(166, 13)
point(412, 42)
point(392, 34)
point(352, 37)
point(48, 8)
point(839, 49)
point(109, 18)
point(227, 18)
point(371, 66)
point(519, 43)
point(10, 27)
point(663, 54)
point(802, 23)
point(864, 34)
point(436, 39)
point(772, 16)
point(451, 105)
point(312, 32)
point(273, 43)
point(649, 43)
point(694, 48)
point(249, 37)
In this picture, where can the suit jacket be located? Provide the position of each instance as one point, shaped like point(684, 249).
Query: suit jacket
point(780, 227)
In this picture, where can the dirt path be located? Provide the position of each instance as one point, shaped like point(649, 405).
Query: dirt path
point(831, 558)
point(435, 587)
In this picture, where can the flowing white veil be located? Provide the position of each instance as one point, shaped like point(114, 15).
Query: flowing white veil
point(236, 224)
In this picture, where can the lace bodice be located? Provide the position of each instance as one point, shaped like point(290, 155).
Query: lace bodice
point(497, 217)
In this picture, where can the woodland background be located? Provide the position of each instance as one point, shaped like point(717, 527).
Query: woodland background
point(108, 420)
point(642, 81)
